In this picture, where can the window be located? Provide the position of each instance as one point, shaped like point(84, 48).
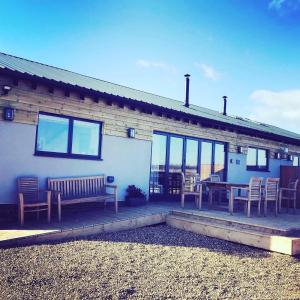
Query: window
point(70, 137)
point(173, 154)
point(191, 158)
point(257, 159)
point(206, 160)
point(295, 161)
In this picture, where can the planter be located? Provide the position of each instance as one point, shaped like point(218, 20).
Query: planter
point(135, 201)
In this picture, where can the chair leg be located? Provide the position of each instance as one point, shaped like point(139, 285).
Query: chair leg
point(294, 204)
point(258, 208)
point(21, 215)
point(276, 208)
point(49, 206)
point(249, 209)
point(279, 204)
point(265, 208)
point(182, 200)
point(200, 198)
point(210, 196)
point(59, 210)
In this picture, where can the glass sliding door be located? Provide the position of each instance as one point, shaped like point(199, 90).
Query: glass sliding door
point(191, 156)
point(175, 165)
point(219, 161)
point(206, 160)
point(158, 164)
point(173, 154)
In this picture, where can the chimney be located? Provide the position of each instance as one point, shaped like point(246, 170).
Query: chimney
point(225, 105)
point(187, 90)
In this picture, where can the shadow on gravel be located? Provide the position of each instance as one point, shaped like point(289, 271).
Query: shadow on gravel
point(163, 235)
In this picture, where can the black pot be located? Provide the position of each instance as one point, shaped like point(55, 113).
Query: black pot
point(135, 201)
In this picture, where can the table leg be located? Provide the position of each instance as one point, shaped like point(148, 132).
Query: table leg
point(210, 194)
point(231, 197)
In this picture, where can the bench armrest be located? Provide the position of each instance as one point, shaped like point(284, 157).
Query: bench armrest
point(113, 186)
point(288, 189)
point(240, 188)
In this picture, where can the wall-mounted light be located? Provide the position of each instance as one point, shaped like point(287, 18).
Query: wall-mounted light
point(110, 179)
point(277, 155)
point(240, 149)
point(284, 150)
point(131, 132)
point(6, 89)
point(290, 157)
point(8, 113)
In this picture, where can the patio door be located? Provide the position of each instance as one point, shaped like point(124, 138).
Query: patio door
point(173, 154)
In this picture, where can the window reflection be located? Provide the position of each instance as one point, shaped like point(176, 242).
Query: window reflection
point(85, 138)
point(191, 164)
point(251, 157)
point(219, 166)
point(52, 134)
point(206, 160)
point(176, 151)
point(158, 165)
point(295, 161)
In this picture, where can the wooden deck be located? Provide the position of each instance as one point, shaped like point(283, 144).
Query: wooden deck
point(280, 234)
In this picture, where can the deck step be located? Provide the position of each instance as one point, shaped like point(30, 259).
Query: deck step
point(246, 236)
point(238, 224)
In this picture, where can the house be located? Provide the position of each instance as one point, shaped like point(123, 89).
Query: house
point(57, 123)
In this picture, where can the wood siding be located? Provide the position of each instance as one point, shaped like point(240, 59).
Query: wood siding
point(28, 99)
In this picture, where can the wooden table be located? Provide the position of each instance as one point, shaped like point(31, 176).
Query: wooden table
point(224, 185)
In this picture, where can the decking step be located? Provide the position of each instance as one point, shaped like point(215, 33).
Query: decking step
point(254, 238)
point(239, 224)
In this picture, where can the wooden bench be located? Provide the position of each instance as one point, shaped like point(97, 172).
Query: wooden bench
point(75, 190)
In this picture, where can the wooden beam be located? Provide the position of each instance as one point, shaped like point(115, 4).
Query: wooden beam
point(33, 85)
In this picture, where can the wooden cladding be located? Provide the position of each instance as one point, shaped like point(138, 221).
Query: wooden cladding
point(118, 118)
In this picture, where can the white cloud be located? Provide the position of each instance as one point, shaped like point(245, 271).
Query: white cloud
point(278, 108)
point(208, 71)
point(284, 6)
point(144, 63)
point(276, 4)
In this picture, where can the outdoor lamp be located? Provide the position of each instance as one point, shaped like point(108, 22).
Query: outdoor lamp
point(110, 179)
point(8, 113)
point(131, 132)
point(277, 155)
point(240, 149)
point(6, 89)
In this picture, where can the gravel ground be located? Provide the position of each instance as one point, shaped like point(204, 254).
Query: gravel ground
point(156, 262)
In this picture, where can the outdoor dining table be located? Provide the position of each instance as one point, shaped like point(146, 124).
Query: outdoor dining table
point(224, 185)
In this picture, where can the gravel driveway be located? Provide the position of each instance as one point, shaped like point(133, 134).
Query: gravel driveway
point(156, 262)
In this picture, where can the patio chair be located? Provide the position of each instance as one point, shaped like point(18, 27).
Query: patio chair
point(190, 185)
point(271, 193)
point(219, 192)
point(289, 194)
point(253, 194)
point(30, 198)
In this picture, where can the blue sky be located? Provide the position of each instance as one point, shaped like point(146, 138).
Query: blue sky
point(247, 50)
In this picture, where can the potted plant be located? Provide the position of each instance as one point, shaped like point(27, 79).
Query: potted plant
point(135, 196)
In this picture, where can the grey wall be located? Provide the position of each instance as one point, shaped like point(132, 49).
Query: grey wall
point(126, 159)
point(239, 174)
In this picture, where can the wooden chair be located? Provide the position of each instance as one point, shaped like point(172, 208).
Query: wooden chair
point(191, 186)
point(215, 178)
point(253, 194)
point(30, 198)
point(271, 193)
point(218, 192)
point(289, 194)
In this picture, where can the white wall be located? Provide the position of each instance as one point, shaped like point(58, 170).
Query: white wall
point(126, 159)
point(238, 172)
